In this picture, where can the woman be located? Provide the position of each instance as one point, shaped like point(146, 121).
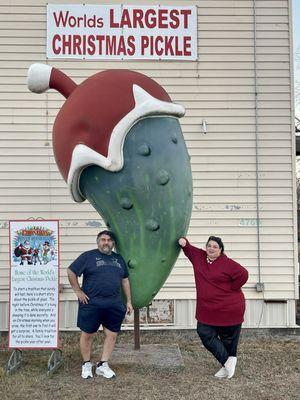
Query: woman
point(220, 301)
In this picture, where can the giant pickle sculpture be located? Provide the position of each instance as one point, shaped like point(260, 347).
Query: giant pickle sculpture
point(118, 143)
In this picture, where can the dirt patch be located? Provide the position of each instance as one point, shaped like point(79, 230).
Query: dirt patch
point(268, 369)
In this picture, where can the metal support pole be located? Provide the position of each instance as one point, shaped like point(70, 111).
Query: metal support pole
point(14, 362)
point(137, 329)
point(55, 361)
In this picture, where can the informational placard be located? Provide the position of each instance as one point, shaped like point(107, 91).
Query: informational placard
point(120, 31)
point(34, 284)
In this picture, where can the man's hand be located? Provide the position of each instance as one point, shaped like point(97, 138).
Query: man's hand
point(182, 242)
point(129, 308)
point(82, 297)
point(127, 292)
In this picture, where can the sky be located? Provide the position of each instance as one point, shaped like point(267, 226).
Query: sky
point(296, 34)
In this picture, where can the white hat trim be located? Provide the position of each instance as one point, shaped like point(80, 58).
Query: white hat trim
point(83, 156)
point(38, 77)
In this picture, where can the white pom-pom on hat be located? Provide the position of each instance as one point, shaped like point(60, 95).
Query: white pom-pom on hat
point(38, 77)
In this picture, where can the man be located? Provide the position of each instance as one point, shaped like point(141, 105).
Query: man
point(100, 302)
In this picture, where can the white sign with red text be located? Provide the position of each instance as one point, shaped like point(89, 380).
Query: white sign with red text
point(117, 32)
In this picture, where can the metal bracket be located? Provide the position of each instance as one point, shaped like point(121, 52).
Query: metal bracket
point(55, 361)
point(14, 362)
point(16, 359)
point(260, 287)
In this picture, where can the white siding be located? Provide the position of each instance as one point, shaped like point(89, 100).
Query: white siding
point(219, 88)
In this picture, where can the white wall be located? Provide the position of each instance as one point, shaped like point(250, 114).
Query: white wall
point(245, 159)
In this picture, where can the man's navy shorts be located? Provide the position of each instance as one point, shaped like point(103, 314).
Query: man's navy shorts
point(91, 316)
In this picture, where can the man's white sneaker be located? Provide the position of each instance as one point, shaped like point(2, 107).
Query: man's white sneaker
point(105, 371)
point(86, 371)
point(222, 373)
point(230, 366)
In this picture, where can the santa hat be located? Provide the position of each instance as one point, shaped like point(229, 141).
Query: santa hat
point(129, 95)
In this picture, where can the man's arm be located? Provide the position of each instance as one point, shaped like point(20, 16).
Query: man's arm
point(127, 292)
point(82, 297)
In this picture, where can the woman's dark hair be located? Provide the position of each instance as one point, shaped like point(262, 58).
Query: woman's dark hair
point(217, 240)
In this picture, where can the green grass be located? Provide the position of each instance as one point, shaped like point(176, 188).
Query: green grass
point(268, 369)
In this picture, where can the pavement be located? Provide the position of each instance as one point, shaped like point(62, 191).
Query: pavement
point(160, 356)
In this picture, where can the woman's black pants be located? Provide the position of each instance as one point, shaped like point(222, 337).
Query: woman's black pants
point(221, 341)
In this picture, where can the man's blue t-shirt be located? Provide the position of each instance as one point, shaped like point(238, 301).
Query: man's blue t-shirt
point(102, 276)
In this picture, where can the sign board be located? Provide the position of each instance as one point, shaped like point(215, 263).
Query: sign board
point(34, 284)
point(128, 32)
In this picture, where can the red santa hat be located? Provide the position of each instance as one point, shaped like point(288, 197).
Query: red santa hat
point(93, 123)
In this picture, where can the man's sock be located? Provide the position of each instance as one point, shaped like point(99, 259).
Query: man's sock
point(100, 363)
point(84, 362)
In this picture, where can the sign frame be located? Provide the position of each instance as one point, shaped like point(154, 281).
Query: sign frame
point(36, 231)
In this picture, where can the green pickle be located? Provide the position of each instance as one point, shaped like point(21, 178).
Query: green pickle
point(147, 204)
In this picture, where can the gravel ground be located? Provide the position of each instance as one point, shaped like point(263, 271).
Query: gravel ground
point(268, 369)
